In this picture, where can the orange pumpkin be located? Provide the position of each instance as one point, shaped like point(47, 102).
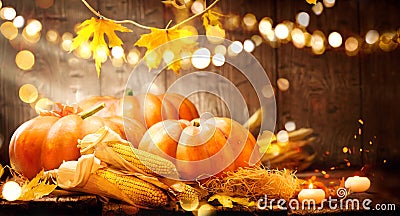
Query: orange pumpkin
point(45, 141)
point(146, 108)
point(204, 149)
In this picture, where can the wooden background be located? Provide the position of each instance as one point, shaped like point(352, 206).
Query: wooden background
point(328, 93)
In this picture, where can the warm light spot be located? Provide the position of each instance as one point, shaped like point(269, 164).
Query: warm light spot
point(232, 22)
point(117, 62)
point(133, 56)
point(186, 63)
point(360, 121)
point(265, 25)
point(298, 38)
point(215, 34)
point(67, 36)
point(52, 36)
point(335, 39)
point(290, 126)
point(8, 13)
point(11, 191)
point(303, 19)
point(201, 58)
point(66, 45)
point(370, 142)
point(257, 39)
point(372, 37)
point(206, 210)
point(281, 31)
point(351, 44)
point(307, 39)
point(318, 8)
point(235, 48)
point(8, 30)
point(25, 59)
point(1, 4)
point(189, 205)
point(249, 20)
point(43, 104)
point(359, 131)
point(221, 49)
point(323, 172)
point(318, 42)
point(249, 46)
point(101, 52)
point(267, 91)
point(31, 38)
point(310, 186)
point(283, 84)
point(384, 161)
point(117, 52)
point(44, 4)
point(348, 164)
point(274, 150)
point(387, 41)
point(19, 21)
point(282, 136)
point(28, 93)
point(218, 60)
point(33, 27)
point(329, 3)
point(197, 7)
point(84, 51)
point(361, 149)
point(168, 56)
point(345, 149)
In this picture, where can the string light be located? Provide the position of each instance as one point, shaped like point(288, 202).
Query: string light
point(33, 27)
point(351, 46)
point(11, 191)
point(257, 40)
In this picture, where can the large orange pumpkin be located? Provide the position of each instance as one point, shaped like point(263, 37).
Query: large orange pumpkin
point(146, 108)
point(202, 149)
point(45, 141)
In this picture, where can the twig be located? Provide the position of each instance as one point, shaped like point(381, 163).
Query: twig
point(148, 27)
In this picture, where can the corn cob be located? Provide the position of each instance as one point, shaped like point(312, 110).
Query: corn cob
point(185, 192)
point(139, 191)
point(145, 161)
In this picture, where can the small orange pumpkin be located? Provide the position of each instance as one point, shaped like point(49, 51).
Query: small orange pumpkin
point(146, 108)
point(45, 141)
point(200, 150)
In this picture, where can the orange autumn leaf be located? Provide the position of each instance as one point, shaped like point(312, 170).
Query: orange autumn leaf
point(97, 29)
point(311, 1)
point(160, 40)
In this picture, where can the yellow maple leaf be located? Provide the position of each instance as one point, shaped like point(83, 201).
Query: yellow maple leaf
point(38, 187)
point(211, 18)
point(160, 40)
point(214, 31)
point(97, 29)
point(311, 1)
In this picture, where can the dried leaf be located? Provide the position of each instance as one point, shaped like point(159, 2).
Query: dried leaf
point(159, 37)
point(97, 29)
point(211, 18)
point(227, 201)
point(37, 188)
point(311, 1)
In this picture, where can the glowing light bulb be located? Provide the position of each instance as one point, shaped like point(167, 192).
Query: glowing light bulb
point(249, 46)
point(221, 49)
point(11, 191)
point(372, 37)
point(335, 39)
point(218, 60)
point(28, 93)
point(19, 21)
point(283, 84)
point(303, 19)
point(8, 13)
point(265, 25)
point(25, 59)
point(329, 3)
point(197, 7)
point(117, 52)
point(281, 31)
point(33, 27)
point(201, 58)
point(282, 136)
point(290, 126)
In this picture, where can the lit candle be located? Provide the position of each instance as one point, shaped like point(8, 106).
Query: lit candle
point(311, 193)
point(357, 184)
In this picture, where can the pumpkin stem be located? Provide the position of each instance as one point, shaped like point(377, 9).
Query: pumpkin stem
point(92, 111)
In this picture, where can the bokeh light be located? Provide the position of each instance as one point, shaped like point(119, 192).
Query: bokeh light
point(290, 126)
point(221, 49)
point(206, 210)
point(133, 56)
point(215, 34)
point(117, 62)
point(117, 52)
point(372, 37)
point(335, 39)
point(218, 60)
point(249, 46)
point(28, 93)
point(84, 51)
point(282, 136)
point(318, 8)
point(257, 39)
point(66, 45)
point(11, 191)
point(197, 7)
point(8, 30)
point(318, 42)
point(235, 48)
point(201, 58)
point(283, 84)
point(329, 3)
point(31, 38)
point(352, 46)
point(168, 56)
point(281, 31)
point(265, 25)
point(25, 59)
point(43, 104)
point(7, 13)
point(298, 38)
point(189, 205)
point(249, 21)
point(19, 21)
point(267, 91)
point(33, 27)
point(303, 19)
point(52, 36)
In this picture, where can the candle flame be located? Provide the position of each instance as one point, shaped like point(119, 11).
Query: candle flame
point(310, 186)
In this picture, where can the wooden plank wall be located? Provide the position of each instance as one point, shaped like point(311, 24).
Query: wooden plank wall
point(328, 93)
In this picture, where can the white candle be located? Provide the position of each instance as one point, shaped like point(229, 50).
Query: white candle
point(316, 195)
point(357, 184)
